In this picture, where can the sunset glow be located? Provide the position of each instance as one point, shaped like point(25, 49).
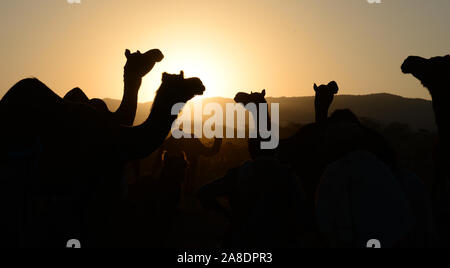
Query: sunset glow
point(224, 131)
point(231, 45)
point(195, 64)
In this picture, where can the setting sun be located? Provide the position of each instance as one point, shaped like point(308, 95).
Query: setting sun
point(195, 64)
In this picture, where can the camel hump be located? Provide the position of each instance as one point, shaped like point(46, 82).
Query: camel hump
point(76, 95)
point(25, 93)
point(99, 104)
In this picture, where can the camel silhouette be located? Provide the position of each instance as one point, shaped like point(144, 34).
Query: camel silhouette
point(343, 141)
point(314, 146)
point(226, 186)
point(324, 98)
point(266, 201)
point(255, 98)
point(434, 74)
point(292, 152)
point(300, 149)
point(137, 66)
point(193, 149)
point(87, 172)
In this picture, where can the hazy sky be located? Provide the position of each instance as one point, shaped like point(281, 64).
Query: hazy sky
point(282, 45)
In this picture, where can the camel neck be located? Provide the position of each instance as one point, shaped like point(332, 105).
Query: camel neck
point(321, 110)
point(442, 114)
point(127, 109)
point(141, 141)
point(321, 114)
point(256, 117)
point(161, 115)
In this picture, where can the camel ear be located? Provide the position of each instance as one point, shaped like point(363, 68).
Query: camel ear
point(127, 53)
point(165, 76)
point(333, 86)
point(315, 87)
point(263, 92)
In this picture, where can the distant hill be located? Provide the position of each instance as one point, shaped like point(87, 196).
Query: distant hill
point(384, 108)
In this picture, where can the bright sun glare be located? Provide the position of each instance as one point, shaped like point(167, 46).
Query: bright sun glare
point(193, 65)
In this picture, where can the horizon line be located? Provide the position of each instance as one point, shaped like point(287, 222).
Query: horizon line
point(295, 97)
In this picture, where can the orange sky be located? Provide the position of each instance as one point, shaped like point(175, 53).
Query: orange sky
point(282, 45)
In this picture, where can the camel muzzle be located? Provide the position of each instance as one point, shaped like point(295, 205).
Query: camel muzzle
point(412, 63)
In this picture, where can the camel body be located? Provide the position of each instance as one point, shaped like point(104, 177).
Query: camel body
point(87, 170)
point(434, 75)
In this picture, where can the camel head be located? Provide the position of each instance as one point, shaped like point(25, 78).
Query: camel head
point(138, 64)
point(325, 93)
point(178, 89)
point(432, 73)
point(324, 98)
point(253, 97)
